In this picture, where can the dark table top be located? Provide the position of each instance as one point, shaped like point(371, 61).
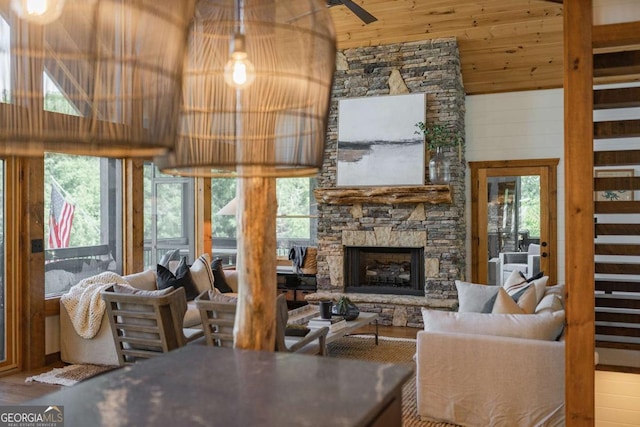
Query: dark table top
point(211, 386)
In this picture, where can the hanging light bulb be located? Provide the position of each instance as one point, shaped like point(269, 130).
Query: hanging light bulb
point(239, 72)
point(38, 11)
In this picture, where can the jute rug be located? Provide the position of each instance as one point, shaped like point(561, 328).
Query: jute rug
point(70, 375)
point(388, 350)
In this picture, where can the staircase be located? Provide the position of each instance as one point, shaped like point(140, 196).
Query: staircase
point(616, 132)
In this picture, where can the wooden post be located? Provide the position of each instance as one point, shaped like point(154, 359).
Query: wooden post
point(579, 259)
point(257, 280)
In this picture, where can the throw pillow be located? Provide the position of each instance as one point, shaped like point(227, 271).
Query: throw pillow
point(201, 273)
point(173, 255)
point(544, 326)
point(539, 281)
point(182, 279)
point(549, 304)
point(219, 279)
point(525, 303)
point(476, 298)
point(514, 283)
point(144, 280)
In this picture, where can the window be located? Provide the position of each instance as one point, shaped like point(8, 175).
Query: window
point(83, 234)
point(296, 222)
point(5, 61)
point(168, 215)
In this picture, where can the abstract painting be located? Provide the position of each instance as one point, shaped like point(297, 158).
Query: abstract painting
point(377, 143)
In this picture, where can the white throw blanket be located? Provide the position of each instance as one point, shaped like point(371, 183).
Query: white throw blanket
point(84, 304)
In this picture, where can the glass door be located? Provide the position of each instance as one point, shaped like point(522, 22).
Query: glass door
point(514, 217)
point(168, 216)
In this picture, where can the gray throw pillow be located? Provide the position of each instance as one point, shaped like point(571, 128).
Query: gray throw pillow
point(476, 298)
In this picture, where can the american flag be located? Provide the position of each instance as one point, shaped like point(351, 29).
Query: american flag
point(60, 220)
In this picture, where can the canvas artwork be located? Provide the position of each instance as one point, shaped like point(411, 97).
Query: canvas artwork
point(377, 143)
point(614, 195)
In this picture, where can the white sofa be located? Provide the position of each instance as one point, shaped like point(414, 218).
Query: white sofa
point(486, 369)
point(100, 349)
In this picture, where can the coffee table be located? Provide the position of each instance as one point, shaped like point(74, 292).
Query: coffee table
point(363, 319)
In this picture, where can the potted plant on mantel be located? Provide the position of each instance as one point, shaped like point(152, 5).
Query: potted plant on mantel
point(436, 137)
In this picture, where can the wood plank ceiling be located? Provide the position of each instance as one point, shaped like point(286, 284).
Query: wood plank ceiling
point(505, 45)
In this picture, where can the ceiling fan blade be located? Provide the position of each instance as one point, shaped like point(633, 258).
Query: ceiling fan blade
point(365, 16)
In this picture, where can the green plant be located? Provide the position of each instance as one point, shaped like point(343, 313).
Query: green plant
point(436, 135)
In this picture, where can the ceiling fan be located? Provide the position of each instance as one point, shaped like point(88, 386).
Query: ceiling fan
point(365, 16)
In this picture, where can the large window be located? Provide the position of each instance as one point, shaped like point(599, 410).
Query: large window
point(83, 234)
point(296, 222)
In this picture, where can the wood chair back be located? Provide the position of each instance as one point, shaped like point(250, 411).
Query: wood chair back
point(218, 319)
point(145, 326)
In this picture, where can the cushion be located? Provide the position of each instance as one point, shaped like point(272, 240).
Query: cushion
point(556, 290)
point(182, 279)
point(120, 289)
point(514, 283)
point(201, 273)
point(219, 279)
point(540, 285)
point(476, 298)
point(218, 297)
point(549, 304)
point(144, 280)
point(544, 326)
point(173, 255)
point(524, 304)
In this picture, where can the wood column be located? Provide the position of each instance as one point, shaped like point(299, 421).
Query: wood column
point(579, 259)
point(256, 265)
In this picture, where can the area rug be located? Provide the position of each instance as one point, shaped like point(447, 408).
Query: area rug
point(388, 350)
point(70, 375)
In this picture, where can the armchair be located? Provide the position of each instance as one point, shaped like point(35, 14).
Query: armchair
point(526, 262)
point(218, 315)
point(146, 323)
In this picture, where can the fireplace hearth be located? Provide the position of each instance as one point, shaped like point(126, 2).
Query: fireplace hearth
point(384, 270)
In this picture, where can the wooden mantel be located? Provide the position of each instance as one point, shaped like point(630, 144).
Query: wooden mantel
point(386, 195)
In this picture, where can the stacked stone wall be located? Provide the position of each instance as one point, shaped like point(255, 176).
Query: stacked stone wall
point(431, 67)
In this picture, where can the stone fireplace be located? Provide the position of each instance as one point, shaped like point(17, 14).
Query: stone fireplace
point(425, 223)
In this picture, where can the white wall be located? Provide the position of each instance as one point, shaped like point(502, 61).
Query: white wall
point(615, 11)
point(512, 126)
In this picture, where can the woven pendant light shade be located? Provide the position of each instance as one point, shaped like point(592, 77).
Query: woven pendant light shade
point(119, 65)
point(276, 125)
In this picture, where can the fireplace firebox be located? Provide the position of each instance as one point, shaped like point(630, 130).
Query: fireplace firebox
point(384, 270)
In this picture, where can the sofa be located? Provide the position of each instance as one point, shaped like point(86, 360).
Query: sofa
point(100, 349)
point(491, 365)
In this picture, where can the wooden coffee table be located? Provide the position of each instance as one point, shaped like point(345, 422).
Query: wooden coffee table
point(302, 315)
point(363, 319)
